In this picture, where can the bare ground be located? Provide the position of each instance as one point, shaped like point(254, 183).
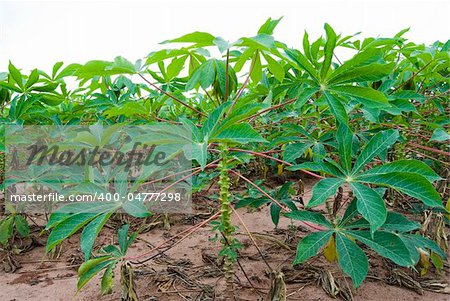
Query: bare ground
point(191, 270)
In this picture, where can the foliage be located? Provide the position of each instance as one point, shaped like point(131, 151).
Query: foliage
point(372, 123)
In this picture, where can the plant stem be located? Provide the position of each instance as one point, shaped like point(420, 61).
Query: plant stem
point(225, 218)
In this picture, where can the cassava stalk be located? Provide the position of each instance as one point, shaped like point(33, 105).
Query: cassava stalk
point(225, 218)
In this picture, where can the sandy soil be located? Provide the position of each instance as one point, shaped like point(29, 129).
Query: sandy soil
point(190, 269)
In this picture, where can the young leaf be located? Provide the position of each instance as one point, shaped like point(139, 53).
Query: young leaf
point(197, 37)
point(328, 50)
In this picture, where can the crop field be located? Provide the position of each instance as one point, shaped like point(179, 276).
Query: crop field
point(230, 170)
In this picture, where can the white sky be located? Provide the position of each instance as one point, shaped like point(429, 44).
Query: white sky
point(40, 33)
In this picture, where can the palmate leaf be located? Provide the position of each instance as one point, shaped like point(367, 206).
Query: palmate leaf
point(409, 183)
point(310, 245)
point(370, 205)
point(351, 259)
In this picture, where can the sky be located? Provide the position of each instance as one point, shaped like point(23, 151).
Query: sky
point(36, 34)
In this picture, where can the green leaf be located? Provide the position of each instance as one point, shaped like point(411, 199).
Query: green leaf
point(275, 213)
point(370, 205)
point(275, 67)
point(363, 58)
point(336, 107)
point(325, 167)
point(124, 239)
point(175, 67)
point(239, 133)
point(309, 216)
point(68, 227)
point(369, 73)
point(409, 183)
point(397, 222)
point(91, 268)
point(105, 68)
point(351, 259)
point(22, 226)
point(386, 244)
point(108, 280)
point(410, 166)
point(294, 151)
point(344, 138)
point(90, 233)
point(367, 96)
point(324, 189)
point(256, 72)
point(197, 37)
point(330, 44)
point(32, 79)
point(16, 75)
point(379, 143)
point(136, 208)
point(302, 63)
point(269, 26)
point(6, 229)
point(440, 135)
point(425, 243)
point(310, 245)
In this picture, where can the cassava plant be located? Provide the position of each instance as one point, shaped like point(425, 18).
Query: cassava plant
point(334, 117)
